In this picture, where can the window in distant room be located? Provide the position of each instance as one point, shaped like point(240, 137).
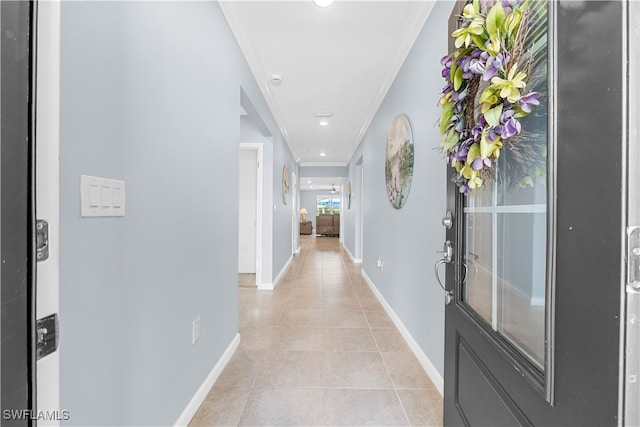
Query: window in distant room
point(328, 205)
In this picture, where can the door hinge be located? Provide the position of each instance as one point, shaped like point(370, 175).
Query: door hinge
point(47, 330)
point(42, 240)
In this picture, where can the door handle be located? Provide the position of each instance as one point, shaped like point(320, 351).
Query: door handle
point(448, 295)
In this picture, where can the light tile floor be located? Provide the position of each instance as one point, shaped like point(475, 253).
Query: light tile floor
point(320, 350)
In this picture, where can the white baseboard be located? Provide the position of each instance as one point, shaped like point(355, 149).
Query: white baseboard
point(353, 259)
point(276, 281)
point(201, 394)
point(348, 252)
point(429, 368)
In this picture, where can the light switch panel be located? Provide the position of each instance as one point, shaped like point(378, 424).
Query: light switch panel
point(95, 196)
point(118, 197)
point(107, 199)
point(101, 197)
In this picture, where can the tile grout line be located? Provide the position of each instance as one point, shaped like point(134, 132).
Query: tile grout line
point(324, 376)
point(298, 285)
point(395, 388)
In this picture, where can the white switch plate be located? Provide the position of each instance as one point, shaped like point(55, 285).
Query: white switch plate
point(101, 196)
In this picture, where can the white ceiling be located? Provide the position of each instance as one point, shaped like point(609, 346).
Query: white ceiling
point(339, 60)
point(321, 183)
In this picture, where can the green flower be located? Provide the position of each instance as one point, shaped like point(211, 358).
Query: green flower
point(489, 148)
point(472, 32)
point(495, 19)
point(510, 87)
point(489, 98)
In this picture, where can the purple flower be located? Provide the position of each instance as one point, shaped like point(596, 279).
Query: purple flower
point(446, 61)
point(464, 63)
point(477, 66)
point(459, 96)
point(464, 188)
point(477, 129)
point(455, 121)
point(494, 64)
point(506, 114)
point(511, 127)
point(494, 132)
point(486, 4)
point(448, 88)
point(463, 149)
point(477, 164)
point(528, 101)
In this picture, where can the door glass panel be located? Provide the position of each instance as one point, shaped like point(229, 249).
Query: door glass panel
point(506, 226)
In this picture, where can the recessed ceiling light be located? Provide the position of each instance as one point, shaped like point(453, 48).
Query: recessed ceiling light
point(322, 154)
point(323, 122)
point(308, 182)
point(323, 3)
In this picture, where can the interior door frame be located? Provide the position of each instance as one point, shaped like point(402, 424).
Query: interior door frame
point(48, 195)
point(295, 219)
point(258, 148)
point(359, 223)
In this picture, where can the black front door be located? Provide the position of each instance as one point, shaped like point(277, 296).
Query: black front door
point(17, 371)
point(532, 331)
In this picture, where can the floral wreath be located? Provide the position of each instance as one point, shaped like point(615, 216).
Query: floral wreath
point(484, 67)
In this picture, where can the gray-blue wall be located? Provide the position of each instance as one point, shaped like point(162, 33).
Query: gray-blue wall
point(282, 216)
point(408, 239)
point(351, 213)
point(150, 93)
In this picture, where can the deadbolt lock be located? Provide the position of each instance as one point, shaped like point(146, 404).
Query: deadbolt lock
point(447, 251)
point(447, 220)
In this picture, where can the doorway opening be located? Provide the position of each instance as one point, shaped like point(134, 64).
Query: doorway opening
point(359, 214)
point(295, 223)
point(250, 215)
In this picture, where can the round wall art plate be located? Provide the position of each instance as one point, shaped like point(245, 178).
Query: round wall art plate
point(398, 167)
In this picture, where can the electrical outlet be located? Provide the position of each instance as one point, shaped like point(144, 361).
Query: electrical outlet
point(196, 330)
point(380, 264)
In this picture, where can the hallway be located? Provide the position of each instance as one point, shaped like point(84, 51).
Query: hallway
point(320, 350)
